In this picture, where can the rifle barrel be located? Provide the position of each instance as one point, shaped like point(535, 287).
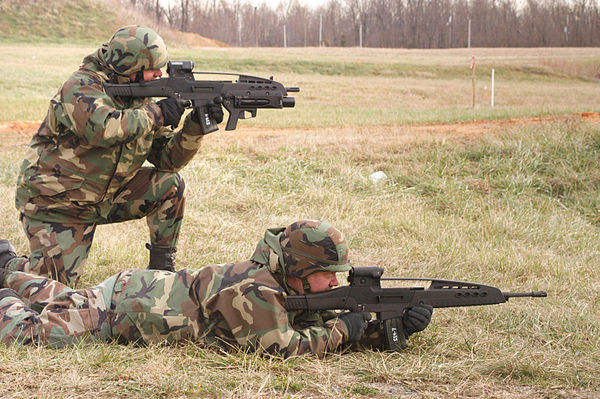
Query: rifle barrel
point(535, 294)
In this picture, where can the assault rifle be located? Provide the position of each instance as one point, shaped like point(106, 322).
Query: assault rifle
point(241, 98)
point(365, 294)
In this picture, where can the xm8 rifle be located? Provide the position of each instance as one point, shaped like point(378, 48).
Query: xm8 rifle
point(241, 98)
point(365, 294)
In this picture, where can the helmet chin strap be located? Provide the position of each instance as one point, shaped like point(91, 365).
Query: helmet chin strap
point(139, 76)
point(306, 285)
point(274, 266)
point(275, 258)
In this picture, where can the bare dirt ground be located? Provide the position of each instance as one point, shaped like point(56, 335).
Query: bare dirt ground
point(19, 132)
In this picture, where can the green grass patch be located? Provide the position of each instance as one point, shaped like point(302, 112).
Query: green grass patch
point(365, 69)
point(486, 210)
point(357, 87)
point(56, 21)
point(517, 209)
point(539, 164)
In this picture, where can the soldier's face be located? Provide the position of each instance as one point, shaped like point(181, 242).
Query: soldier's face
point(322, 281)
point(150, 74)
point(319, 281)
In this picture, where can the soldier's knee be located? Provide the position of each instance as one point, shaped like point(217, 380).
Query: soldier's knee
point(178, 185)
point(169, 189)
point(170, 180)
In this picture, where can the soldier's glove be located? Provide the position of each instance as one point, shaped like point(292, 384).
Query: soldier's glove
point(172, 109)
point(416, 319)
point(356, 323)
point(215, 111)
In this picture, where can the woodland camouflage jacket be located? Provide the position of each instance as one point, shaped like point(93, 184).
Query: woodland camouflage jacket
point(239, 305)
point(89, 146)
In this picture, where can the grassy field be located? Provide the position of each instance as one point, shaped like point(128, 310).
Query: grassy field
point(516, 207)
point(351, 87)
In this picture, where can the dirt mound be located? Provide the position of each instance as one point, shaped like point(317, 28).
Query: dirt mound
point(191, 39)
point(130, 14)
point(25, 129)
point(474, 128)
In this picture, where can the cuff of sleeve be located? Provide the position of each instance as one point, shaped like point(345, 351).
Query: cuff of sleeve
point(190, 127)
point(339, 326)
point(155, 114)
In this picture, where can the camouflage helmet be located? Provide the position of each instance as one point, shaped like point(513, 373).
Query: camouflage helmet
point(133, 48)
point(310, 246)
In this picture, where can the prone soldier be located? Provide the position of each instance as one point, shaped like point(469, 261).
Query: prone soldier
point(229, 305)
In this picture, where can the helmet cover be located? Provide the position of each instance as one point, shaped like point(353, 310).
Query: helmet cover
point(310, 246)
point(133, 48)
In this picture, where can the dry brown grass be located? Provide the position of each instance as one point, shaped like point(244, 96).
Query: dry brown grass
point(238, 186)
point(463, 201)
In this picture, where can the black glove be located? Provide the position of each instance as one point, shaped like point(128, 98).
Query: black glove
point(416, 319)
point(215, 111)
point(172, 109)
point(356, 322)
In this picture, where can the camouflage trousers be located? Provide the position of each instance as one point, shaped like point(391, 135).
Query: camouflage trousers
point(142, 306)
point(60, 250)
point(47, 312)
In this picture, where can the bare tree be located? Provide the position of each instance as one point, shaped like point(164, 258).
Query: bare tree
point(386, 23)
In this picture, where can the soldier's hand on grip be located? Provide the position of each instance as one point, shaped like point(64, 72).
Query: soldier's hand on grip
point(416, 319)
point(215, 111)
point(356, 323)
point(172, 109)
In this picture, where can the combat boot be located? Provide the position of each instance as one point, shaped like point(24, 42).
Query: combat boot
point(7, 252)
point(161, 258)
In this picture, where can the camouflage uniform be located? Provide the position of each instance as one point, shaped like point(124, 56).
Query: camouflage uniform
point(230, 305)
point(84, 165)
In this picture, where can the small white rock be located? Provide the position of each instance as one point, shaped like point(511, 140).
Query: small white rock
point(377, 176)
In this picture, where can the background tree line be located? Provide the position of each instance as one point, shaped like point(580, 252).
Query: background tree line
point(386, 23)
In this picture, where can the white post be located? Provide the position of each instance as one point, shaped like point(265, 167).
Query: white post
point(255, 28)
point(360, 35)
point(492, 97)
point(320, 30)
point(284, 37)
point(305, 35)
point(473, 77)
point(450, 23)
point(469, 35)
